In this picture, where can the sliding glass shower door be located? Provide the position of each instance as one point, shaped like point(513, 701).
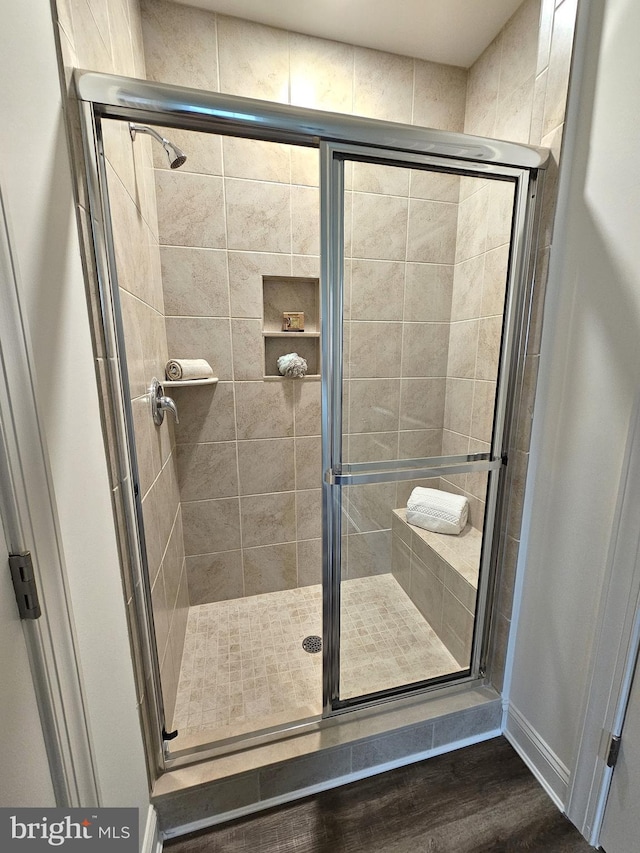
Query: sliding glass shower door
point(421, 262)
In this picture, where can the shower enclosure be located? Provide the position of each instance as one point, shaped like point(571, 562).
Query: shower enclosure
point(277, 579)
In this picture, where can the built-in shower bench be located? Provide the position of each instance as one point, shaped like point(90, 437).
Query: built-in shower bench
point(439, 573)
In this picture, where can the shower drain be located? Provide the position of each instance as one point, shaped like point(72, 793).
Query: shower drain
point(312, 644)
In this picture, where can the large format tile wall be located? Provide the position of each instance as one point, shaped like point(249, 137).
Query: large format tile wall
point(517, 91)
point(249, 451)
point(107, 36)
point(398, 280)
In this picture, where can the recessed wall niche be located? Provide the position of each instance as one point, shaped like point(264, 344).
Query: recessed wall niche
point(291, 294)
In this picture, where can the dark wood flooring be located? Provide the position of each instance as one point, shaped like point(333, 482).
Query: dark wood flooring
point(476, 800)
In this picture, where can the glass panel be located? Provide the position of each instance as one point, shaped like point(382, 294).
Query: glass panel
point(425, 270)
point(209, 258)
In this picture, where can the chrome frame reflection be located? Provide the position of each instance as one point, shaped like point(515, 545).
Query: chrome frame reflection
point(108, 96)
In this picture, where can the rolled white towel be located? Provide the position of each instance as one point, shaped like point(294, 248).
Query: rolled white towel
point(292, 365)
point(438, 511)
point(188, 368)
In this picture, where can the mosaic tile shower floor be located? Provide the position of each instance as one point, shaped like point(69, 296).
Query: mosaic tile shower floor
point(244, 667)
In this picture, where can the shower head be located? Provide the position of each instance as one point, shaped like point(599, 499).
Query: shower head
point(176, 155)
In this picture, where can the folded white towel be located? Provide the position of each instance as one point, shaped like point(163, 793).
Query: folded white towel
point(292, 365)
point(188, 368)
point(438, 511)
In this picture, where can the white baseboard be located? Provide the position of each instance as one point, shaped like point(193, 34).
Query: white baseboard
point(151, 843)
point(545, 765)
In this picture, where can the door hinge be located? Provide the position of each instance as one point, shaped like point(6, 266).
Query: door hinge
point(24, 585)
point(614, 750)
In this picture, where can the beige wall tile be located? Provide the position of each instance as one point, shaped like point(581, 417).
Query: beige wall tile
point(247, 349)
point(376, 290)
point(266, 465)
point(172, 565)
point(369, 554)
point(131, 310)
point(525, 415)
point(309, 562)
point(215, 577)
point(211, 526)
point(270, 568)
point(482, 91)
point(245, 278)
point(489, 335)
point(91, 37)
point(161, 615)
point(190, 210)
point(467, 288)
point(264, 409)
point(305, 221)
point(424, 349)
point(419, 443)
point(321, 73)
point(203, 150)
point(428, 292)
point(131, 238)
point(463, 345)
point(119, 38)
point(379, 227)
point(258, 216)
point(496, 263)
point(256, 160)
point(434, 186)
point(268, 519)
point(308, 463)
point(559, 64)
point(422, 403)
point(545, 29)
point(195, 282)
point(426, 591)
point(254, 60)
point(206, 413)
point(207, 471)
point(307, 408)
point(369, 507)
point(472, 218)
point(432, 232)
point(142, 424)
point(458, 403)
point(439, 96)
point(305, 166)
point(519, 47)
point(371, 447)
point(513, 119)
point(376, 350)
point(537, 112)
point(374, 405)
point(180, 44)
point(554, 143)
point(383, 85)
point(384, 180)
point(201, 337)
point(482, 410)
point(308, 513)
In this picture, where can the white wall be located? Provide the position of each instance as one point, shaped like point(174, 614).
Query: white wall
point(589, 378)
point(36, 181)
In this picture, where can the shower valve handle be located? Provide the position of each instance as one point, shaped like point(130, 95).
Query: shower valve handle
point(161, 404)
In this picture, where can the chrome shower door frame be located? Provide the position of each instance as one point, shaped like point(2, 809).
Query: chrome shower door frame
point(105, 96)
point(337, 474)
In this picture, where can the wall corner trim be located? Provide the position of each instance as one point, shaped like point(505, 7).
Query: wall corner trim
point(545, 765)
